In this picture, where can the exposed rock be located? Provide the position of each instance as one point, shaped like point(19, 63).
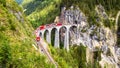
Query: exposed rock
point(101, 12)
point(57, 19)
point(72, 16)
point(94, 37)
point(107, 62)
point(17, 14)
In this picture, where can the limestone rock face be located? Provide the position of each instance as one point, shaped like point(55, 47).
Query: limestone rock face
point(108, 62)
point(92, 36)
point(73, 16)
point(101, 12)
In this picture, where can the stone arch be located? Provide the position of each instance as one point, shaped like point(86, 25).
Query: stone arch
point(54, 36)
point(73, 26)
point(46, 35)
point(62, 32)
point(40, 34)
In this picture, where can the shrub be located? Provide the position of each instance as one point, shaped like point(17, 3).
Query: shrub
point(2, 28)
point(12, 27)
point(3, 2)
point(5, 54)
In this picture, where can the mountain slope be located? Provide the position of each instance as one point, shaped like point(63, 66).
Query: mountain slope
point(45, 13)
point(41, 11)
point(16, 39)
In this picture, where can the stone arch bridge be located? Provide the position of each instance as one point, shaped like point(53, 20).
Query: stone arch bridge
point(45, 32)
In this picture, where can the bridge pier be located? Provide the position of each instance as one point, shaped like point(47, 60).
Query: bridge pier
point(48, 36)
point(57, 33)
point(66, 40)
point(56, 42)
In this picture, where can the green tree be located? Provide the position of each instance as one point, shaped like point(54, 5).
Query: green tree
point(3, 2)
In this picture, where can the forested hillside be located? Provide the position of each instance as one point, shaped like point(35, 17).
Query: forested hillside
point(19, 18)
point(45, 11)
point(16, 39)
point(40, 12)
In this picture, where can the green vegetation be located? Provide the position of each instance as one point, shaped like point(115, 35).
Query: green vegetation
point(75, 58)
point(16, 38)
point(20, 55)
point(40, 12)
point(16, 50)
point(88, 7)
point(3, 2)
point(108, 23)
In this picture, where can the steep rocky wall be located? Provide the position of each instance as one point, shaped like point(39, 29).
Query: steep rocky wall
point(97, 38)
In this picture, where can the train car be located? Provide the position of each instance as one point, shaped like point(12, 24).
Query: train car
point(37, 39)
point(42, 27)
point(58, 24)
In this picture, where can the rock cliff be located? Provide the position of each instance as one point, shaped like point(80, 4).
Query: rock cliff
point(96, 37)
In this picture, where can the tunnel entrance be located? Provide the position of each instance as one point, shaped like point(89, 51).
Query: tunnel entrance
point(46, 33)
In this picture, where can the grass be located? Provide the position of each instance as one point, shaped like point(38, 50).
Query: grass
point(16, 50)
point(76, 57)
point(43, 12)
